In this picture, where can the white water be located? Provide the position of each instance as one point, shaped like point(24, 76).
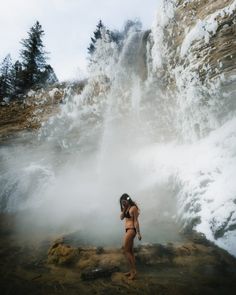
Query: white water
point(174, 155)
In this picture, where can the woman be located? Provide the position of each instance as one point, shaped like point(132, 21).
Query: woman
point(130, 211)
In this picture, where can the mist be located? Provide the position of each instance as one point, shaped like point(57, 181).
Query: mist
point(144, 125)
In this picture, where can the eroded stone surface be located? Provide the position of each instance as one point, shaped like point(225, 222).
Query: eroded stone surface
point(190, 267)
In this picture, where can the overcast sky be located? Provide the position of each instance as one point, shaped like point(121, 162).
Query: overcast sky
point(68, 26)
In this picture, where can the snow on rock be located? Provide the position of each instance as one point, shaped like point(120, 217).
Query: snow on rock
point(192, 53)
point(203, 175)
point(53, 92)
point(206, 28)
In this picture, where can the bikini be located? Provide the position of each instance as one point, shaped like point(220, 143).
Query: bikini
point(127, 215)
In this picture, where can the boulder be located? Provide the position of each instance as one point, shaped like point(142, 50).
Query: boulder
point(62, 254)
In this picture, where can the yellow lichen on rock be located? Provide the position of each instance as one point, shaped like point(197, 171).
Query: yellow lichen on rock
point(62, 254)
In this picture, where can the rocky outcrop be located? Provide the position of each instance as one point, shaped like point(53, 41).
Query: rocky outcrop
point(96, 262)
point(29, 112)
point(198, 34)
point(180, 268)
point(62, 254)
point(193, 58)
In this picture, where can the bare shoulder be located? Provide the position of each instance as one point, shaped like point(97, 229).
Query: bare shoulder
point(134, 210)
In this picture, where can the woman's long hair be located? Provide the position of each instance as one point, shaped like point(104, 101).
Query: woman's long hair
point(130, 201)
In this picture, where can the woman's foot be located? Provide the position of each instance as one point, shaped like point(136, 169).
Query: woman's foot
point(127, 273)
point(132, 275)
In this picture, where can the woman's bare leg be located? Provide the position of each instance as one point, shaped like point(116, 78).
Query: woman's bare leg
point(134, 271)
point(128, 250)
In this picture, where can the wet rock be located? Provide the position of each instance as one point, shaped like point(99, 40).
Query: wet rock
point(98, 272)
point(99, 250)
point(198, 238)
point(108, 259)
point(189, 253)
point(174, 268)
point(219, 229)
point(154, 254)
point(62, 254)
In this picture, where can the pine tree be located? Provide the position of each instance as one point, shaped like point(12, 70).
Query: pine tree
point(48, 75)
point(105, 34)
point(5, 78)
point(115, 36)
point(33, 57)
point(97, 35)
point(91, 48)
point(16, 79)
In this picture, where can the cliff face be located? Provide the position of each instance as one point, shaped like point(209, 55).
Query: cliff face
point(192, 47)
point(193, 55)
point(29, 112)
point(201, 34)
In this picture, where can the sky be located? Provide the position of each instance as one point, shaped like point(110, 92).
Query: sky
point(68, 26)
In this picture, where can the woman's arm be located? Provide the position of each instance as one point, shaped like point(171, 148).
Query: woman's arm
point(122, 213)
point(134, 212)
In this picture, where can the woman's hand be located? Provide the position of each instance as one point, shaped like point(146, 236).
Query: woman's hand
point(139, 237)
point(124, 209)
point(122, 215)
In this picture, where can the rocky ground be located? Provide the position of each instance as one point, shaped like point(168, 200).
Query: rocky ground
point(64, 266)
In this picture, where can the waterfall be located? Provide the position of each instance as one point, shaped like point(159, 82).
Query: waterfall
point(156, 119)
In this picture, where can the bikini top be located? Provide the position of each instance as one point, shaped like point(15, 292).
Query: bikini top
point(126, 214)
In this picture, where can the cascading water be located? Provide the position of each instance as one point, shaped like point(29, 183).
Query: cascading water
point(152, 122)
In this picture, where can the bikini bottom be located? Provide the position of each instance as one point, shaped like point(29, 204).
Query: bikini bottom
point(130, 228)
